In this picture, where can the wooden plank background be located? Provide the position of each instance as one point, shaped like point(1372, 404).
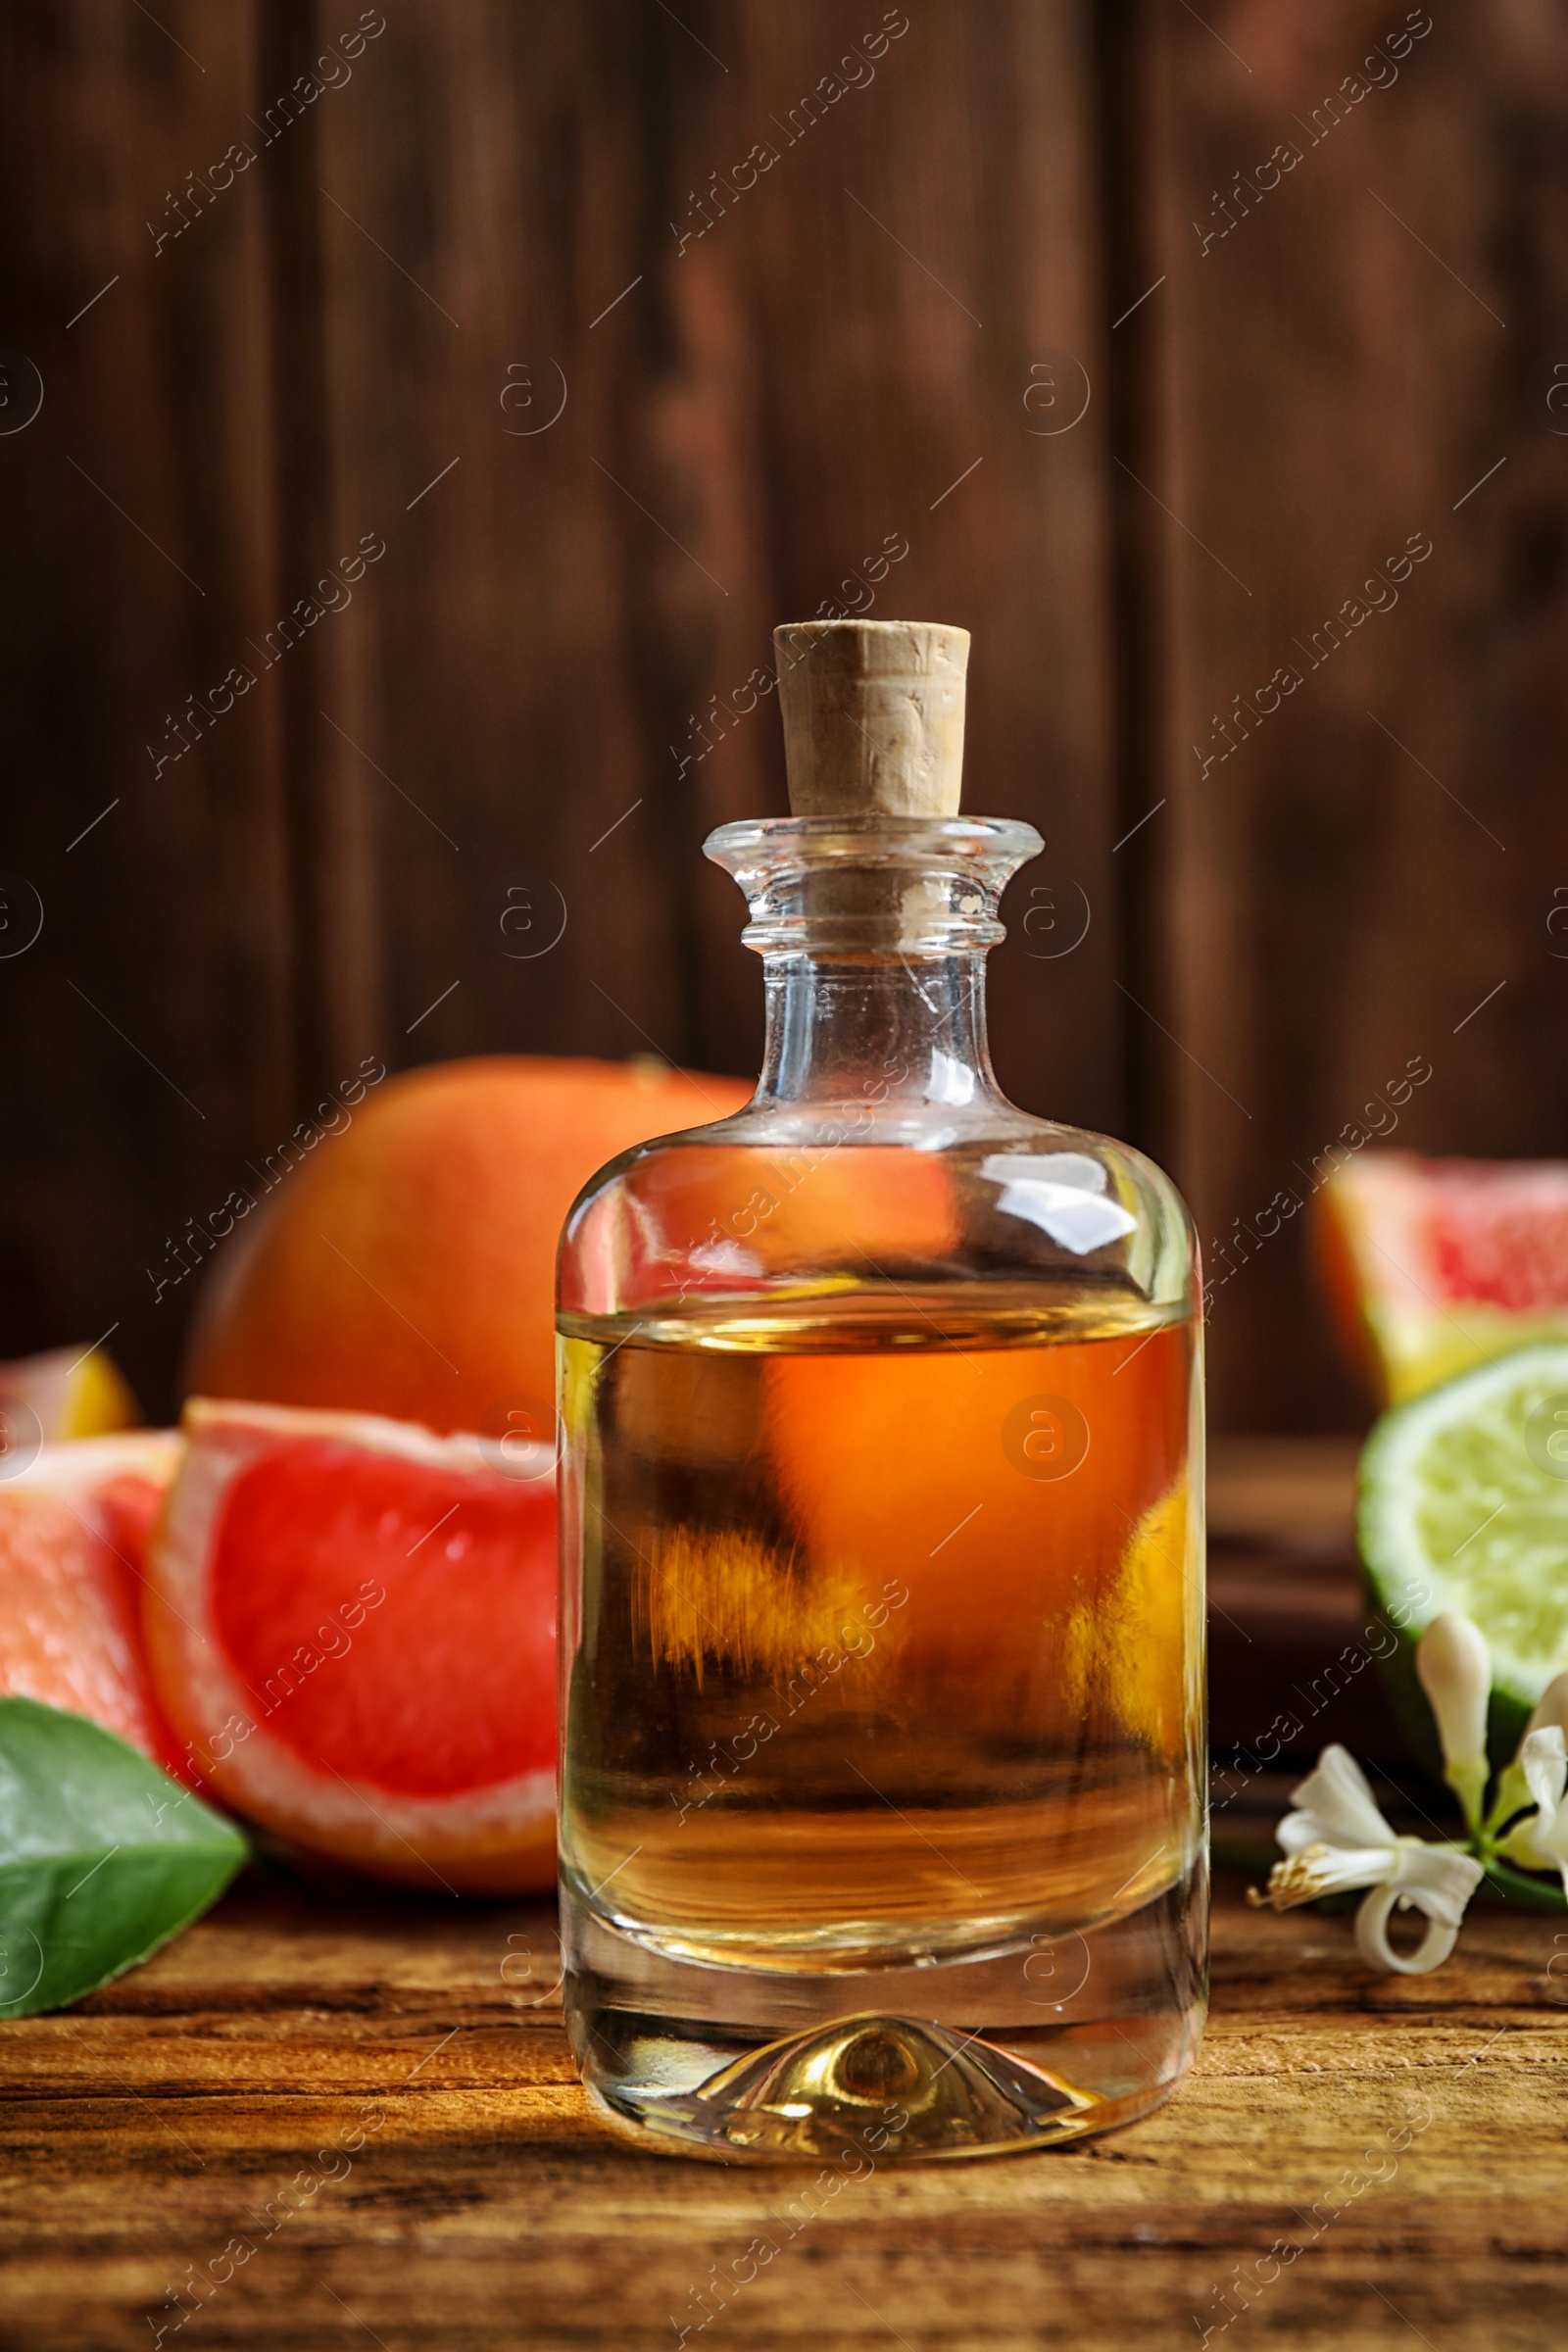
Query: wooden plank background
point(1354, 361)
point(804, 372)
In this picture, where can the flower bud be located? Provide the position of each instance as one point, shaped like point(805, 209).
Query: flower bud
point(1454, 1665)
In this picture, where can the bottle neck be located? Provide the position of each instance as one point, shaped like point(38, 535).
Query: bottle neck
point(898, 1030)
point(873, 931)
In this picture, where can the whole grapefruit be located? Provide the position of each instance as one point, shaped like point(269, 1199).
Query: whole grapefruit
point(402, 1259)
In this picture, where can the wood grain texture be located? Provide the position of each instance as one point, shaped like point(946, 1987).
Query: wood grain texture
point(555, 678)
point(145, 2131)
point(1347, 359)
point(570, 617)
point(442, 234)
point(145, 1036)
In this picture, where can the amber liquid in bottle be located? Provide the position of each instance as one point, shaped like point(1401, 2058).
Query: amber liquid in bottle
point(882, 1599)
point(867, 1680)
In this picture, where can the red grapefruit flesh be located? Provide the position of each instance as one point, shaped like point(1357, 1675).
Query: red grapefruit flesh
point(73, 1540)
point(1438, 1264)
point(352, 1621)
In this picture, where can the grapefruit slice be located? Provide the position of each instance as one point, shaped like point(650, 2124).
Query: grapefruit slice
point(352, 1622)
point(64, 1393)
point(73, 1525)
point(1439, 1265)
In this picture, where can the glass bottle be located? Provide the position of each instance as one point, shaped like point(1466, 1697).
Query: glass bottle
point(882, 1772)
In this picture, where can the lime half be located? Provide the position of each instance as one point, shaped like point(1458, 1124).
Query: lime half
point(1464, 1505)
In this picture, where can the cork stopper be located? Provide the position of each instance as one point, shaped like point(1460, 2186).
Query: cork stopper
point(874, 716)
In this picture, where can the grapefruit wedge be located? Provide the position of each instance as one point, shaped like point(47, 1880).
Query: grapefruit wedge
point(351, 1620)
point(74, 1528)
point(66, 1392)
point(1438, 1264)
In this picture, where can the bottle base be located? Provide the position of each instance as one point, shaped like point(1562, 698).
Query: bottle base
point(1034, 2046)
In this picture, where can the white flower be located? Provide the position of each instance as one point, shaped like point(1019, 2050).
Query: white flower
point(1335, 1806)
point(1513, 1788)
point(1338, 1838)
point(1540, 1843)
point(1454, 1665)
point(1550, 1708)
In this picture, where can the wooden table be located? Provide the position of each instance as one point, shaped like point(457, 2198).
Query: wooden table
point(375, 2094)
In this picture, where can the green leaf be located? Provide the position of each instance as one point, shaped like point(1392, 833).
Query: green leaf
point(102, 1857)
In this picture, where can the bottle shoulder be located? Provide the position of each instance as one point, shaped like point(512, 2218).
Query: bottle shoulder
point(800, 1199)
